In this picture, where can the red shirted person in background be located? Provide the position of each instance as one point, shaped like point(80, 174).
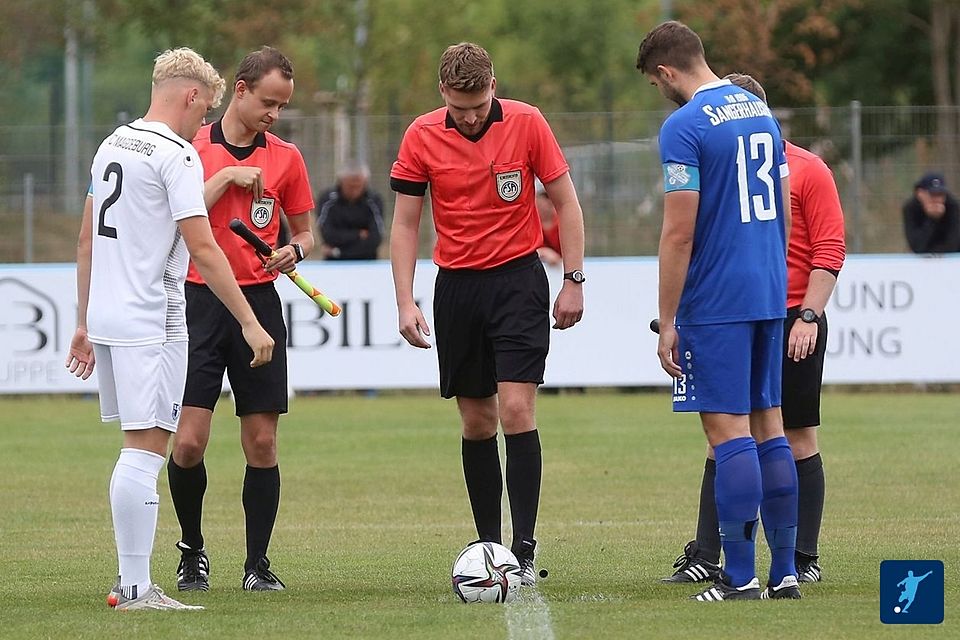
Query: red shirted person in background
point(480, 156)
point(550, 251)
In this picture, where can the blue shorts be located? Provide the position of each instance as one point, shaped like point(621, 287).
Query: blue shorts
point(733, 368)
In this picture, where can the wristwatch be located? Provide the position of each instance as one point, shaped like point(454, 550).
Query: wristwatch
point(576, 275)
point(809, 315)
point(297, 249)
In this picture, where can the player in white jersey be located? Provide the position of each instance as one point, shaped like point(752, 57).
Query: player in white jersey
point(146, 281)
point(145, 210)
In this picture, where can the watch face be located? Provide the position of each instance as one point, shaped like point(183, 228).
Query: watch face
point(808, 315)
point(576, 276)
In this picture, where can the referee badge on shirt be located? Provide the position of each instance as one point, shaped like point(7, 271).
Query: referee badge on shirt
point(261, 212)
point(509, 185)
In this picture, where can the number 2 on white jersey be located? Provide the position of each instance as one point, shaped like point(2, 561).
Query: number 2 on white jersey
point(103, 229)
point(761, 144)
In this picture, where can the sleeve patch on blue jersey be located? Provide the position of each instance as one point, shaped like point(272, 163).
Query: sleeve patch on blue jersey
point(680, 177)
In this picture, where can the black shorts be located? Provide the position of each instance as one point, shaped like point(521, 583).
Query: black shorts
point(802, 380)
point(492, 326)
point(217, 345)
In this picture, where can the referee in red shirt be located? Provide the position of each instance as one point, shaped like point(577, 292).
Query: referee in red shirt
point(480, 156)
point(253, 175)
point(815, 255)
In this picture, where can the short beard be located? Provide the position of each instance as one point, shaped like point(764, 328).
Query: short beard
point(673, 95)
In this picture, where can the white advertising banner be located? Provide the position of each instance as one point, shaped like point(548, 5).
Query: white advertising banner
point(892, 319)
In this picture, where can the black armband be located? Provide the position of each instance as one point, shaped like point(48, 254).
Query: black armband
point(835, 272)
point(408, 187)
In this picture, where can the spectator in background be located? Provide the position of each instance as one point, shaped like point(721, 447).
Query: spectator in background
point(931, 218)
point(351, 216)
point(549, 251)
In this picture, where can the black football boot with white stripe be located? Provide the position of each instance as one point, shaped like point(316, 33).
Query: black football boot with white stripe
point(722, 591)
point(193, 572)
point(690, 568)
point(808, 570)
point(524, 553)
point(788, 589)
point(260, 578)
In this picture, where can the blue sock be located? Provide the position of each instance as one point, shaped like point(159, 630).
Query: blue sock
point(737, 489)
point(779, 506)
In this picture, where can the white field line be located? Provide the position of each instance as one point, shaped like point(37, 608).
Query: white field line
point(528, 617)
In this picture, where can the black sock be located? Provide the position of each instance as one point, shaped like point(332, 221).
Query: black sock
point(187, 487)
point(261, 499)
point(708, 524)
point(524, 469)
point(809, 504)
point(481, 471)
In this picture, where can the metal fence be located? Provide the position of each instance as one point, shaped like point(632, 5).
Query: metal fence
point(876, 154)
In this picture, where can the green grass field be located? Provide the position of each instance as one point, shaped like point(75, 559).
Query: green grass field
point(374, 511)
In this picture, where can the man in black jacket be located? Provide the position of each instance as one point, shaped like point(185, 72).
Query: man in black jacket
point(931, 218)
point(351, 216)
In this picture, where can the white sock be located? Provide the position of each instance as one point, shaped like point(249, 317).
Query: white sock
point(134, 502)
point(113, 480)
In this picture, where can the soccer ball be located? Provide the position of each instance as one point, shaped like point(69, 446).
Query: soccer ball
point(486, 572)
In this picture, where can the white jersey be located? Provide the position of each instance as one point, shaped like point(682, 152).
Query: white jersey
point(144, 179)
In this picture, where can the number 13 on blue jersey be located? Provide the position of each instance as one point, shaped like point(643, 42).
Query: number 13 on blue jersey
point(760, 147)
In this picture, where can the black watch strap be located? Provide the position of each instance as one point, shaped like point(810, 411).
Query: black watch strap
point(298, 250)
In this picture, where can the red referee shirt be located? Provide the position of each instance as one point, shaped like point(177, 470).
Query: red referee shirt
point(286, 188)
point(481, 186)
point(816, 235)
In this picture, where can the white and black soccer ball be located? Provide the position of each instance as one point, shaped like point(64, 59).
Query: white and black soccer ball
point(486, 572)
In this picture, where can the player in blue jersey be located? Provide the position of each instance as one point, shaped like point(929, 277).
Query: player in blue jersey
point(722, 299)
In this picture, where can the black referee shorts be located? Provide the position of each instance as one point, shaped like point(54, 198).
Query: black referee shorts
point(803, 380)
point(492, 326)
point(217, 345)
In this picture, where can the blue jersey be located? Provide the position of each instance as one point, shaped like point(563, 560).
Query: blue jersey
point(725, 144)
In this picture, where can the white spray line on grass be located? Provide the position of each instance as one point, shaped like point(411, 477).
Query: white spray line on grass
point(528, 617)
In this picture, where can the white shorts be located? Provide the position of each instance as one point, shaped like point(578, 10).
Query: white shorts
point(142, 386)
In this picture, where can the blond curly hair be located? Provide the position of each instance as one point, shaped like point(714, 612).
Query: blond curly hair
point(187, 63)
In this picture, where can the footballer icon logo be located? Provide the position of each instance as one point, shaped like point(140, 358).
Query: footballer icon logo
point(175, 413)
point(677, 174)
point(509, 185)
point(911, 591)
point(188, 161)
point(261, 212)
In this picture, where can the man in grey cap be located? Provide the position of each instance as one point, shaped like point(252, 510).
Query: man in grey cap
point(931, 218)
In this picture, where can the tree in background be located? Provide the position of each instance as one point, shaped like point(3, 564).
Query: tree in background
point(944, 29)
point(786, 43)
point(563, 56)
